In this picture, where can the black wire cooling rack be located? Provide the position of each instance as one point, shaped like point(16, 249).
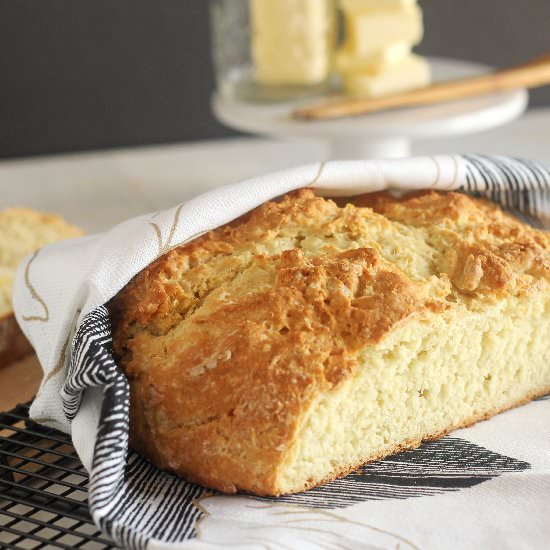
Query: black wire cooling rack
point(43, 488)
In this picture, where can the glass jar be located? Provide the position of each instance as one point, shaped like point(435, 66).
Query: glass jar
point(272, 50)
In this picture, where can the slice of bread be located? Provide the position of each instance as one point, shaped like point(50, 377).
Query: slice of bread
point(305, 339)
point(22, 231)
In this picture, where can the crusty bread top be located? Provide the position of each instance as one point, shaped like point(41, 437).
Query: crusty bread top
point(425, 249)
point(237, 331)
point(22, 231)
point(483, 250)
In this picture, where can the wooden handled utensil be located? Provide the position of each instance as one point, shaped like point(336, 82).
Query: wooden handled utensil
point(529, 75)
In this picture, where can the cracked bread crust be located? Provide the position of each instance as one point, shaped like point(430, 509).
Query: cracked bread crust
point(227, 340)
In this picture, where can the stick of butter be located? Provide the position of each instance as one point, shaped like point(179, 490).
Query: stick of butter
point(369, 32)
point(369, 5)
point(292, 40)
point(411, 72)
point(380, 60)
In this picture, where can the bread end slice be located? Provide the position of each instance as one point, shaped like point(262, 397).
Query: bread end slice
point(22, 231)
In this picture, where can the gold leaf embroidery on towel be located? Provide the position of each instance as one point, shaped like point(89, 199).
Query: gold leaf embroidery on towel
point(58, 368)
point(437, 173)
point(43, 318)
point(291, 520)
point(317, 176)
point(60, 362)
point(450, 186)
point(164, 247)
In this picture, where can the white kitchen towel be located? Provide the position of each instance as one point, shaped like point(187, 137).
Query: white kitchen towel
point(488, 486)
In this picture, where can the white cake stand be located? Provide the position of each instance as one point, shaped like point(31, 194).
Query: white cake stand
point(386, 134)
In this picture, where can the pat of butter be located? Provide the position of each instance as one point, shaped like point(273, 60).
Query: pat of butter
point(369, 5)
point(370, 32)
point(291, 40)
point(380, 60)
point(412, 72)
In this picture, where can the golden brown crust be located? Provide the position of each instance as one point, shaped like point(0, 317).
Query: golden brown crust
point(238, 331)
point(488, 250)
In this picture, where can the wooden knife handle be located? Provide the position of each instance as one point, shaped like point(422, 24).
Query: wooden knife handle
point(529, 75)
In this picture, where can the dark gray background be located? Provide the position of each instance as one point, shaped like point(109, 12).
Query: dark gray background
point(89, 74)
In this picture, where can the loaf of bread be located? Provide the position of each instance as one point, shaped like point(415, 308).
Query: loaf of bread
point(306, 338)
point(22, 231)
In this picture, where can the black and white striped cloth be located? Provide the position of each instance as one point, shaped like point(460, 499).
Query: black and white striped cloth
point(84, 391)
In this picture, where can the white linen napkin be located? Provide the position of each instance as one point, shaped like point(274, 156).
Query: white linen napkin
point(488, 486)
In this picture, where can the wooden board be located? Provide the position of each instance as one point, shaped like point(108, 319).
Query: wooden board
point(13, 344)
point(19, 382)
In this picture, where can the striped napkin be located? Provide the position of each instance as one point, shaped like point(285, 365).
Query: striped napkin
point(486, 486)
